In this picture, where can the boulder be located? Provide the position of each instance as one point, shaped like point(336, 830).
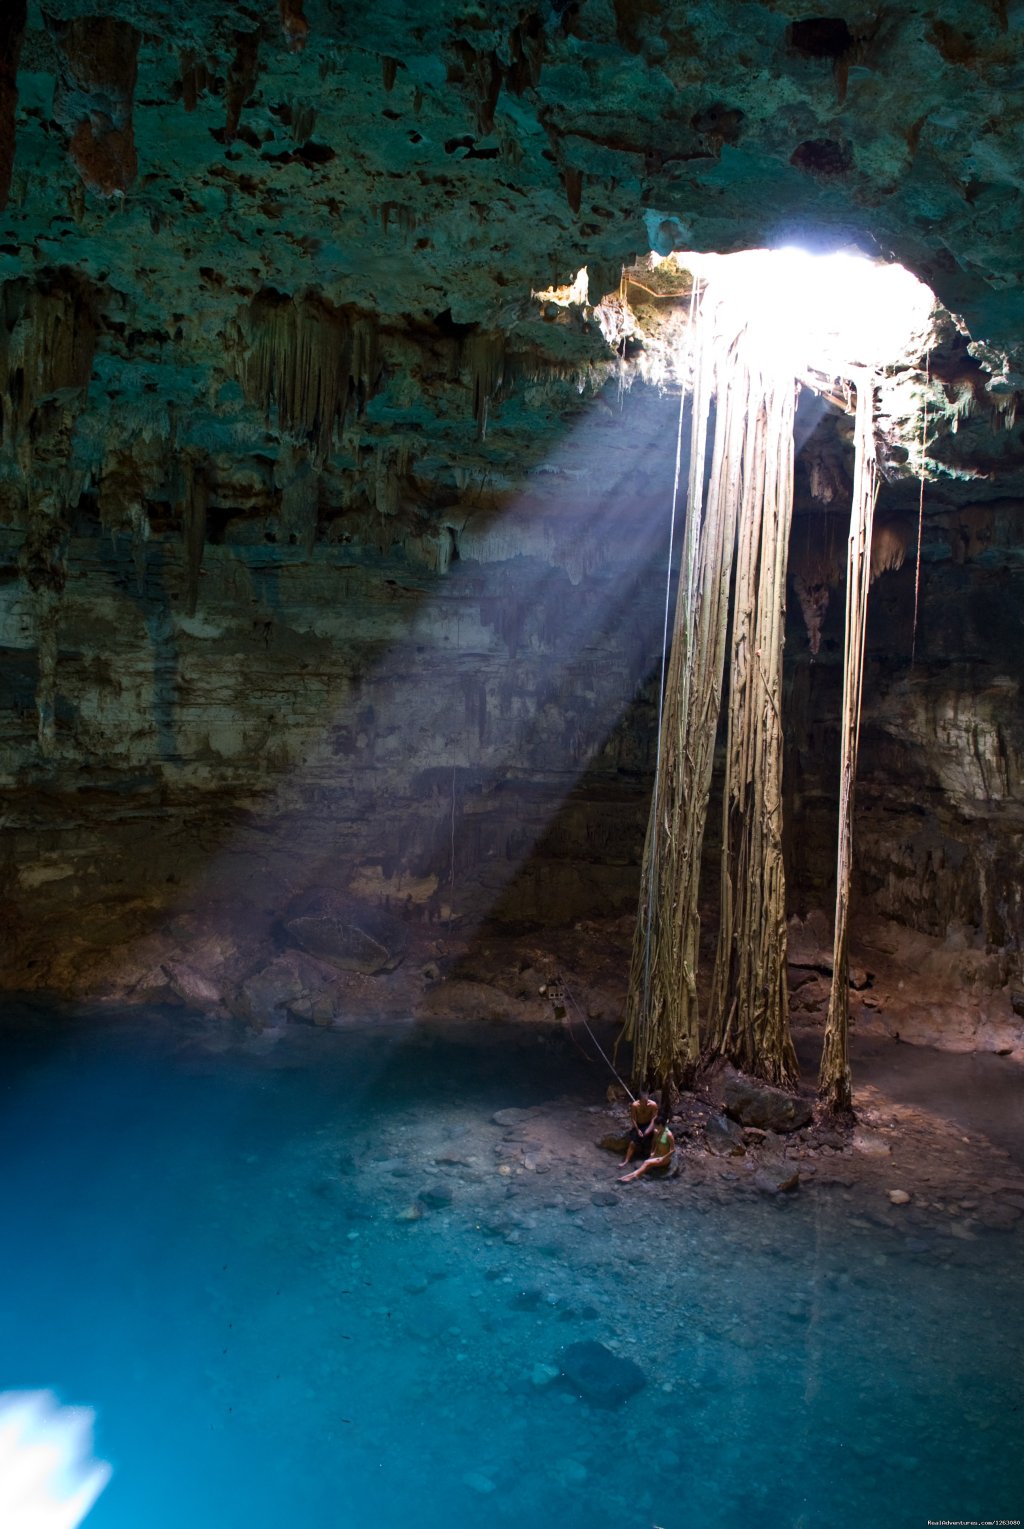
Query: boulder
point(528, 1299)
point(543, 1374)
point(435, 1196)
point(809, 951)
point(514, 1116)
point(343, 943)
point(290, 986)
point(599, 1376)
point(753, 1103)
point(478, 1482)
point(835, 1140)
point(723, 1137)
point(779, 1179)
point(349, 934)
point(194, 988)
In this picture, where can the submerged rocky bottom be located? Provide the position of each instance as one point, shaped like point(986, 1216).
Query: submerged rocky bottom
point(315, 1281)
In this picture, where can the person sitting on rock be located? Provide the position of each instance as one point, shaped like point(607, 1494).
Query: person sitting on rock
point(660, 1159)
point(643, 1116)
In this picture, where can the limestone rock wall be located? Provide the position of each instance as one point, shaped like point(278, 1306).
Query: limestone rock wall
point(453, 727)
point(940, 806)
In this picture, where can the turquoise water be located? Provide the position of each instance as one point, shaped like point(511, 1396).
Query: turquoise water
point(245, 1264)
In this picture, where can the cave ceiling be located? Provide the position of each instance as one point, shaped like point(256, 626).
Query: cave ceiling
point(245, 244)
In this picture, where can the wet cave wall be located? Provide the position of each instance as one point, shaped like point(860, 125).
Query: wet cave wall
point(460, 732)
point(938, 823)
point(333, 556)
point(937, 894)
point(443, 725)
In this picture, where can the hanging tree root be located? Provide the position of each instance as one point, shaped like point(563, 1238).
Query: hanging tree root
point(743, 518)
point(834, 1084)
point(749, 1003)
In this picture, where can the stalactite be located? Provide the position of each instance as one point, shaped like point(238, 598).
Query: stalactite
point(43, 562)
point(963, 404)
point(834, 1081)
point(484, 354)
point(48, 335)
point(194, 498)
point(364, 362)
point(43, 556)
point(530, 369)
point(310, 363)
point(888, 550)
point(139, 522)
point(12, 32)
point(94, 97)
point(47, 607)
point(435, 550)
point(294, 24)
point(816, 570)
point(243, 73)
point(400, 215)
point(526, 47)
point(299, 486)
point(387, 487)
point(195, 79)
point(483, 72)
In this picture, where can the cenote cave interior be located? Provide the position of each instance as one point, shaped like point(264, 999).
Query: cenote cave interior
point(511, 558)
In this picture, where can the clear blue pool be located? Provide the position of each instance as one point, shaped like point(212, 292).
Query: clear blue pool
point(224, 1256)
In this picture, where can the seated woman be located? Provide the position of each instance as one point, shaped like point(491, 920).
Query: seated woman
point(661, 1155)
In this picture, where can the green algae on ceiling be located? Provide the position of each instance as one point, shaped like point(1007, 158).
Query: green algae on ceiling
point(295, 221)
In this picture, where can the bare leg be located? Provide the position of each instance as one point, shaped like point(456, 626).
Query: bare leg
point(652, 1162)
point(629, 1153)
